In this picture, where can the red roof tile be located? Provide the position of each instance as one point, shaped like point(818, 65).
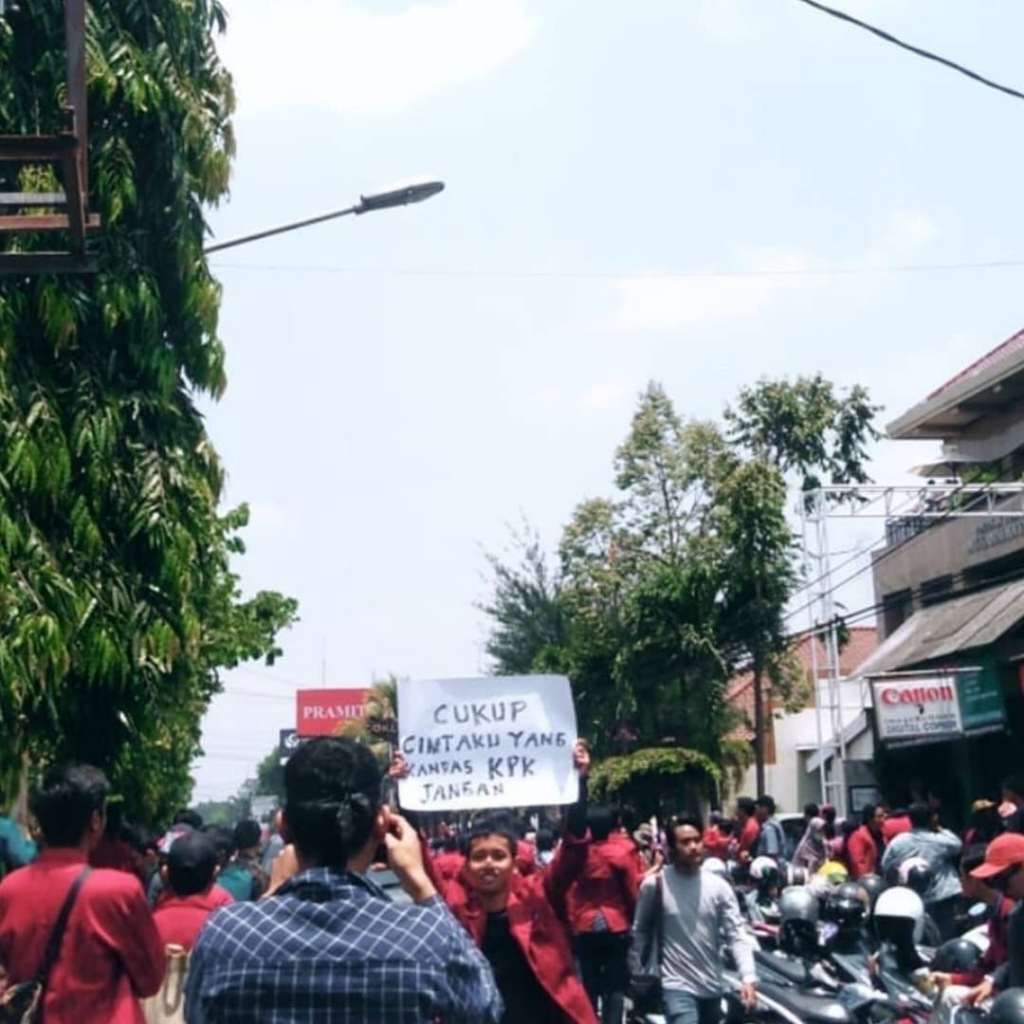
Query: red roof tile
point(1000, 352)
point(863, 642)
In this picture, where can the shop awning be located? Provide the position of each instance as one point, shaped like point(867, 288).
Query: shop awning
point(976, 620)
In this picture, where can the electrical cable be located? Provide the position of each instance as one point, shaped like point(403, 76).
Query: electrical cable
point(919, 51)
point(668, 275)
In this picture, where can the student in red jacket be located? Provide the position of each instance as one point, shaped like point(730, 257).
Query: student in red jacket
point(601, 906)
point(748, 827)
point(518, 922)
point(190, 896)
point(865, 845)
point(111, 954)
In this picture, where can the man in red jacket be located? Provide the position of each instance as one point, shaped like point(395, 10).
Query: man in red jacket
point(190, 896)
point(601, 906)
point(865, 845)
point(111, 954)
point(519, 922)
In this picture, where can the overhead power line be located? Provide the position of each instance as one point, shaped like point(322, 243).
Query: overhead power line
point(919, 51)
point(618, 275)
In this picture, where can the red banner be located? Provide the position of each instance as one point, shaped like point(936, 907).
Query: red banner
point(324, 712)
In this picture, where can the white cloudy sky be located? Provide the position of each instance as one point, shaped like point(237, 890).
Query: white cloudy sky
point(405, 384)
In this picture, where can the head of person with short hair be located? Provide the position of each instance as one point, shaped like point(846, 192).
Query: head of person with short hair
point(189, 818)
point(491, 847)
point(602, 820)
point(764, 807)
point(333, 809)
point(71, 805)
point(810, 811)
point(745, 809)
point(920, 815)
point(686, 843)
point(223, 841)
point(247, 837)
point(192, 864)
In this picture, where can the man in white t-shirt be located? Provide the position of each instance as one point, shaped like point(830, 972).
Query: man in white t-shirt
point(700, 918)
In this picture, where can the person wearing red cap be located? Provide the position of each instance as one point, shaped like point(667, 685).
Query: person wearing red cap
point(1004, 870)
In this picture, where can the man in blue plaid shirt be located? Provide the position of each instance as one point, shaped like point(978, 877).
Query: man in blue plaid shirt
point(329, 945)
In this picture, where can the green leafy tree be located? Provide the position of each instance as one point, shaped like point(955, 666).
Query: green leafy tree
point(118, 605)
point(807, 427)
point(525, 611)
point(665, 590)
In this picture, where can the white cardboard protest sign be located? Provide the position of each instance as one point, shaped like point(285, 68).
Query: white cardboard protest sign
point(499, 741)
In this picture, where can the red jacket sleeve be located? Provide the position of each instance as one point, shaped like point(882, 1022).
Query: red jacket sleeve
point(126, 924)
point(567, 866)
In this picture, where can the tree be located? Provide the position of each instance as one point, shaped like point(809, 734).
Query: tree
point(524, 607)
point(118, 605)
point(379, 723)
point(663, 592)
point(807, 427)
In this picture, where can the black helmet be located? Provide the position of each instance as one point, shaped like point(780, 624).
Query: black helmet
point(798, 913)
point(957, 956)
point(916, 874)
point(1008, 1008)
point(872, 886)
point(847, 904)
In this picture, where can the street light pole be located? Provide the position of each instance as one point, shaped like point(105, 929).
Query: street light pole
point(383, 199)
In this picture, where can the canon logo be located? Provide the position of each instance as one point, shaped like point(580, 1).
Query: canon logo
point(893, 695)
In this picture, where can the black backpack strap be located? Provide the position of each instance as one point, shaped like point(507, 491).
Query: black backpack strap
point(57, 935)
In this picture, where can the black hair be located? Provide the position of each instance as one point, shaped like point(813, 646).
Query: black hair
point(186, 817)
point(867, 813)
point(767, 802)
point(65, 803)
point(247, 835)
point(332, 795)
point(693, 820)
point(828, 812)
point(601, 818)
point(811, 810)
point(986, 824)
point(144, 839)
point(973, 857)
point(746, 805)
point(191, 863)
point(629, 819)
point(493, 825)
point(727, 826)
point(920, 815)
point(545, 840)
point(222, 839)
point(1014, 784)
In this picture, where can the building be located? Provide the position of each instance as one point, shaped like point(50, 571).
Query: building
point(946, 680)
point(793, 738)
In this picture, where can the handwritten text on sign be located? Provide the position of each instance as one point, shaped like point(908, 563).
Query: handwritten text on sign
point(500, 741)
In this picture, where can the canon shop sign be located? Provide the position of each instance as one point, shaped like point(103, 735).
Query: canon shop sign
point(917, 709)
point(325, 712)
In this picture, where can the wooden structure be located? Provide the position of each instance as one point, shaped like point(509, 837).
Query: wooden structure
point(68, 150)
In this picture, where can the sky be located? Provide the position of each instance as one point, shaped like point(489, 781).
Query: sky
point(702, 193)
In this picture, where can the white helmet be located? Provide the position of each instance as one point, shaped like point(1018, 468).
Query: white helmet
point(764, 869)
point(899, 915)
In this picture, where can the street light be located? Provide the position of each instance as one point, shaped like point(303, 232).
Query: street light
point(383, 199)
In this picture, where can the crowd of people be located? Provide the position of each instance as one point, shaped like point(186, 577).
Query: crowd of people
point(503, 920)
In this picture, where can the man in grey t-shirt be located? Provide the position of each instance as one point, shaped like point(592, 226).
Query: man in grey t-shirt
point(700, 917)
